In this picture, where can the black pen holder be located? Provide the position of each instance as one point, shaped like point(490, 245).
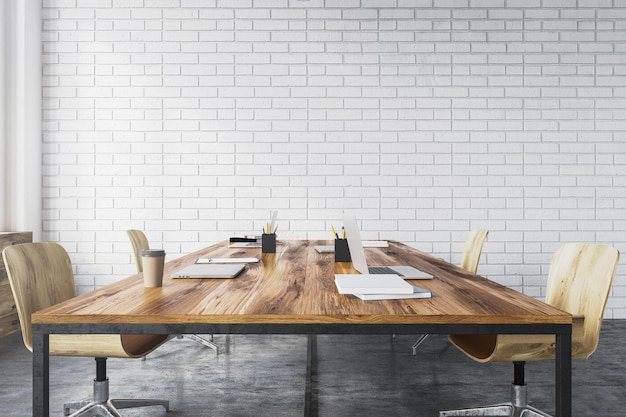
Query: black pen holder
point(342, 251)
point(268, 243)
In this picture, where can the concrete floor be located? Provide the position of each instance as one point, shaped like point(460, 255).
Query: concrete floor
point(354, 376)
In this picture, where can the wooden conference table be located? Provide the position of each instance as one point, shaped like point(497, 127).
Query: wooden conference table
point(293, 292)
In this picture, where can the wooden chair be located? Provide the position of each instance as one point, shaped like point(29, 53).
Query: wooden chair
point(472, 250)
point(579, 282)
point(41, 275)
point(139, 242)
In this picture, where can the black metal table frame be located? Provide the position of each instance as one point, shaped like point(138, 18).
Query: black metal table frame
point(41, 332)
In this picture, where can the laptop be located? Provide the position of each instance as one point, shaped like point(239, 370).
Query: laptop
point(360, 263)
point(210, 271)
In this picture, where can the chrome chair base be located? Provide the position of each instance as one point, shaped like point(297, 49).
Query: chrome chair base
point(517, 408)
point(418, 342)
point(109, 408)
point(103, 407)
point(198, 339)
point(500, 410)
point(208, 343)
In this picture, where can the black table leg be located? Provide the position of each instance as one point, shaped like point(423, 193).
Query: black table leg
point(310, 408)
point(564, 374)
point(41, 374)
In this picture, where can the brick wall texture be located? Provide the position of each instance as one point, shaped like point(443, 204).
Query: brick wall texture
point(193, 119)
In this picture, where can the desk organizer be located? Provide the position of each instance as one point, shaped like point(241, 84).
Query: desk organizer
point(342, 251)
point(268, 243)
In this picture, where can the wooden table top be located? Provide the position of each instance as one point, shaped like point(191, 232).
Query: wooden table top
point(296, 286)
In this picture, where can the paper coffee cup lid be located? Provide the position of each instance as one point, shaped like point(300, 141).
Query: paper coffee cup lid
point(153, 252)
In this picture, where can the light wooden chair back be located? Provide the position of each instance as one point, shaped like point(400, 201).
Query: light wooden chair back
point(473, 249)
point(139, 241)
point(41, 275)
point(50, 264)
point(579, 282)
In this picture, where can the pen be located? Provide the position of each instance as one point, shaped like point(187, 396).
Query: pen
point(343, 232)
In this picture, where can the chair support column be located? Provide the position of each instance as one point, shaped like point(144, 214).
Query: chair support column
point(101, 369)
point(101, 382)
point(101, 405)
point(518, 373)
point(519, 395)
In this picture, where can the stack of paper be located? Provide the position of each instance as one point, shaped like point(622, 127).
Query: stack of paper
point(418, 292)
point(371, 284)
point(378, 287)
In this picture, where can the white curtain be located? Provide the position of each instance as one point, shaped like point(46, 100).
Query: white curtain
point(20, 116)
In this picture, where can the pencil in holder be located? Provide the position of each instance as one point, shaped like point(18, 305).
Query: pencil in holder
point(342, 251)
point(268, 243)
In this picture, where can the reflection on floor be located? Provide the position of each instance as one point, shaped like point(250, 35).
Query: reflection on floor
point(354, 376)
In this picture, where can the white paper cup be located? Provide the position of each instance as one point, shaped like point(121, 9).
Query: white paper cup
point(153, 261)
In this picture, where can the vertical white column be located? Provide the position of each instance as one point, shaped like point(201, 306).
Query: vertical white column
point(3, 110)
point(33, 115)
point(22, 112)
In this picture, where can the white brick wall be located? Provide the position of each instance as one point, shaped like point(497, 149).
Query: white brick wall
point(425, 118)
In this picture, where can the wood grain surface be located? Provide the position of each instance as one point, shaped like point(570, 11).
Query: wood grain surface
point(296, 285)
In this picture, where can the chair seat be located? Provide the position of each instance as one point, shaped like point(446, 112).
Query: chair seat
point(104, 345)
point(512, 347)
